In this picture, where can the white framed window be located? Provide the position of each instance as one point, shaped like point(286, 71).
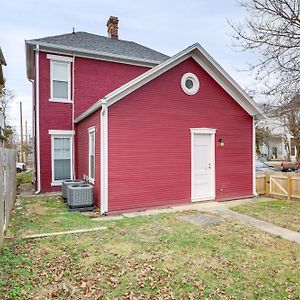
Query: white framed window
point(91, 131)
point(60, 78)
point(61, 156)
point(190, 83)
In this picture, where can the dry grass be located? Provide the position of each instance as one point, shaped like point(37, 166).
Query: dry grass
point(280, 212)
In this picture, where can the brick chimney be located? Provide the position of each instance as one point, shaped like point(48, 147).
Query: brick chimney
point(112, 27)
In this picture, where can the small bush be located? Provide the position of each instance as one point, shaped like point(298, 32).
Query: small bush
point(24, 177)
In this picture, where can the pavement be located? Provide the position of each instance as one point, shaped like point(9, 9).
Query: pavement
point(222, 210)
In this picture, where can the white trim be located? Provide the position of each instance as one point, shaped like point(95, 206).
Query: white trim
point(91, 130)
point(61, 132)
point(68, 63)
point(61, 100)
point(37, 123)
point(104, 159)
point(56, 183)
point(211, 132)
point(254, 157)
point(194, 79)
point(203, 130)
point(62, 135)
point(203, 59)
point(60, 58)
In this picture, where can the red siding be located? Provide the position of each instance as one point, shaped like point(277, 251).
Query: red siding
point(150, 142)
point(93, 79)
point(82, 151)
point(53, 116)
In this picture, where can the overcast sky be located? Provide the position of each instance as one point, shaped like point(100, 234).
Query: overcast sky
point(166, 26)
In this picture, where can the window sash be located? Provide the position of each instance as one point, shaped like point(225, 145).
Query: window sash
point(60, 80)
point(61, 158)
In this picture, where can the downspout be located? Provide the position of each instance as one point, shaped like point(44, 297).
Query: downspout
point(37, 117)
point(73, 113)
point(104, 158)
point(33, 130)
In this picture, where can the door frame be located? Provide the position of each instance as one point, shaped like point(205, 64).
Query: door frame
point(212, 133)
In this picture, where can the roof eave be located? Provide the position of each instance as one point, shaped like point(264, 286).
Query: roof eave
point(93, 53)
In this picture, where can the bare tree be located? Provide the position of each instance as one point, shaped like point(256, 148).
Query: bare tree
point(6, 98)
point(262, 138)
point(272, 29)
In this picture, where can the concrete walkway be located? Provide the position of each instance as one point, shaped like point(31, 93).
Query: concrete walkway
point(222, 210)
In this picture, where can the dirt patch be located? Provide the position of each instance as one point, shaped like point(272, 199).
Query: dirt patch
point(201, 219)
point(38, 208)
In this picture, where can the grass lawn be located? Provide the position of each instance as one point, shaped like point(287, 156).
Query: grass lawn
point(280, 212)
point(45, 214)
point(154, 257)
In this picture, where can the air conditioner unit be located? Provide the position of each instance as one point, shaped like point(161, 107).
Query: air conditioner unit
point(80, 197)
point(65, 185)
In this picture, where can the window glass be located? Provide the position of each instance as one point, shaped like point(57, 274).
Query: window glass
point(60, 71)
point(92, 154)
point(60, 80)
point(62, 158)
point(60, 89)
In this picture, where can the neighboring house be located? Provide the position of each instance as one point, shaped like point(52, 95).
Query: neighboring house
point(2, 63)
point(146, 129)
point(279, 143)
point(2, 122)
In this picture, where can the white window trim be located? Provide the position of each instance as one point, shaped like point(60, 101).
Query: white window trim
point(92, 130)
point(196, 84)
point(212, 133)
point(203, 130)
point(60, 59)
point(60, 134)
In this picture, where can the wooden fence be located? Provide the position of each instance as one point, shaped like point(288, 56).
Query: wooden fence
point(7, 188)
point(279, 185)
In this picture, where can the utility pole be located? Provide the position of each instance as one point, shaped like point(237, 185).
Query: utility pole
point(26, 142)
point(21, 123)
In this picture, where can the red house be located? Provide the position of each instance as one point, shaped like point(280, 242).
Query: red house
point(145, 129)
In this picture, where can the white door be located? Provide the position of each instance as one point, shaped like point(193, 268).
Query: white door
point(203, 164)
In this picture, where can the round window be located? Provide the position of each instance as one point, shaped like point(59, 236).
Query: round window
point(190, 83)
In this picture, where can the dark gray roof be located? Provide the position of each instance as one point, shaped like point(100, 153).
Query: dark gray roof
point(93, 42)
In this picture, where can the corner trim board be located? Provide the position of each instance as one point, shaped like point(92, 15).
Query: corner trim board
point(253, 157)
point(104, 158)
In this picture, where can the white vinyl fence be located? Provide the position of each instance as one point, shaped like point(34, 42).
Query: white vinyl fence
point(7, 188)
